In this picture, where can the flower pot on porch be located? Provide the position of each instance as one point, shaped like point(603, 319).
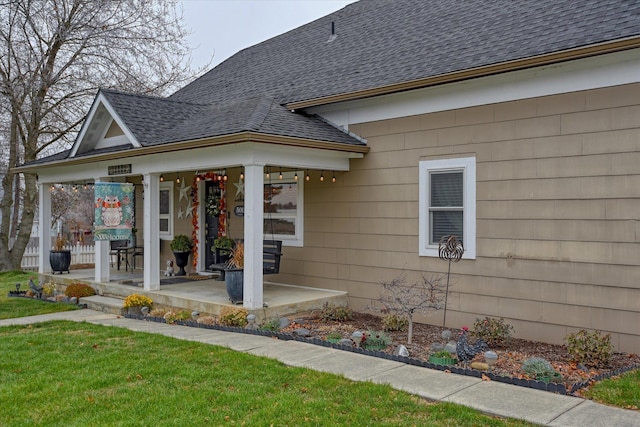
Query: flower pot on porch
point(182, 259)
point(234, 280)
point(60, 260)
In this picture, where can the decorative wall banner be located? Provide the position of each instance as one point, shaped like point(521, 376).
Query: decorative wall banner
point(114, 210)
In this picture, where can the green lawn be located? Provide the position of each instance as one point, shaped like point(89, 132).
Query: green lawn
point(622, 391)
point(65, 373)
point(21, 307)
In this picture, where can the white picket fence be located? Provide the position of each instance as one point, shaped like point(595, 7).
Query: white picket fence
point(80, 254)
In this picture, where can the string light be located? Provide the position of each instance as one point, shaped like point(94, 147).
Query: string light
point(307, 178)
point(280, 176)
point(268, 173)
point(242, 173)
point(161, 178)
point(295, 177)
point(334, 177)
point(321, 176)
point(178, 179)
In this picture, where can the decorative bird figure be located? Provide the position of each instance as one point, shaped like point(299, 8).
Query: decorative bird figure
point(35, 288)
point(466, 351)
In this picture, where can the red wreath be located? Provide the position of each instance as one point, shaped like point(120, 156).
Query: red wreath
point(207, 176)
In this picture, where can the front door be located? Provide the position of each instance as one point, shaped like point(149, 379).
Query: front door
point(211, 212)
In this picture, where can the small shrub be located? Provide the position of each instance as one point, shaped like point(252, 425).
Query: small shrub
point(443, 354)
point(336, 313)
point(207, 320)
point(590, 349)
point(272, 325)
point(232, 316)
point(537, 367)
point(137, 300)
point(170, 317)
point(79, 290)
point(393, 322)
point(495, 332)
point(375, 340)
point(157, 312)
point(48, 289)
point(183, 315)
point(334, 337)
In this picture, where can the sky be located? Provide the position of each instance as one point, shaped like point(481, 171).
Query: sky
point(221, 28)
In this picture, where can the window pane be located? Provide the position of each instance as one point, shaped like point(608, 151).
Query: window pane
point(445, 224)
point(446, 189)
point(164, 202)
point(164, 225)
point(282, 226)
point(281, 198)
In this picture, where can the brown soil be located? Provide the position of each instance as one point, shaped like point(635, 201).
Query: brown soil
point(510, 357)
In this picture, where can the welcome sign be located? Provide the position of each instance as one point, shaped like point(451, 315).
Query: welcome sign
point(114, 210)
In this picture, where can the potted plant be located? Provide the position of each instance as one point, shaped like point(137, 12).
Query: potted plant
point(442, 357)
point(181, 246)
point(59, 257)
point(222, 247)
point(234, 274)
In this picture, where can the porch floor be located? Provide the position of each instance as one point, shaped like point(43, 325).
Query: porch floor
point(208, 296)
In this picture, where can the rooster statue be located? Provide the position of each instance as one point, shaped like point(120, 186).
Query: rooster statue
point(466, 351)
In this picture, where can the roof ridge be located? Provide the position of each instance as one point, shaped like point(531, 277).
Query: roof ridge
point(154, 97)
point(260, 113)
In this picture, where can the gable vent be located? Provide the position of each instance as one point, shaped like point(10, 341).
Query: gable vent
point(119, 169)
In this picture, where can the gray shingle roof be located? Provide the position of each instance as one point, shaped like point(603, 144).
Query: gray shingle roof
point(155, 121)
point(383, 42)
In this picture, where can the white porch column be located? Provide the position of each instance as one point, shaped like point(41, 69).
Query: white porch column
point(151, 206)
point(44, 219)
point(253, 235)
point(102, 249)
point(101, 270)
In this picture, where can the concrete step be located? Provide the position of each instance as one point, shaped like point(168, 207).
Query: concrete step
point(111, 305)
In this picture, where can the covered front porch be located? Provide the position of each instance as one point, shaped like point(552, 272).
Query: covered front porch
point(168, 163)
point(205, 295)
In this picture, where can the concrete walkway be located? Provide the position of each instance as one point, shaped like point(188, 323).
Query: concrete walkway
point(539, 407)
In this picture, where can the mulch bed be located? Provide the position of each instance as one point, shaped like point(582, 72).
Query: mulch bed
point(510, 358)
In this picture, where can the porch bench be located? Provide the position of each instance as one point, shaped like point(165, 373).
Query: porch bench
point(271, 253)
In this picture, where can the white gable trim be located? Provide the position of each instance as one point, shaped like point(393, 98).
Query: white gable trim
point(97, 103)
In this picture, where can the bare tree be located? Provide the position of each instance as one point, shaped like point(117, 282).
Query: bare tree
point(402, 299)
point(55, 54)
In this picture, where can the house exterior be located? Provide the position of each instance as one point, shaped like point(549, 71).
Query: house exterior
point(515, 125)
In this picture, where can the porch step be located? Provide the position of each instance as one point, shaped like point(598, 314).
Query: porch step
point(105, 304)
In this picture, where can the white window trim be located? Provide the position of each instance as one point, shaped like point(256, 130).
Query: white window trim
point(297, 240)
point(167, 235)
point(468, 167)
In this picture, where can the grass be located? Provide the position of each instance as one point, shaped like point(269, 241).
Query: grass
point(622, 391)
point(21, 307)
point(64, 373)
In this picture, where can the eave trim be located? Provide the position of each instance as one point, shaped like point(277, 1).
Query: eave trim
point(502, 67)
point(198, 143)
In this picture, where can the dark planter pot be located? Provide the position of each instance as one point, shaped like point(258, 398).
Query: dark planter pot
point(60, 261)
point(234, 279)
point(182, 259)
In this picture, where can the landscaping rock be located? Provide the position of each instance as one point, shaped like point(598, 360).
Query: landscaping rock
point(346, 341)
point(284, 322)
point(302, 332)
point(480, 366)
point(401, 351)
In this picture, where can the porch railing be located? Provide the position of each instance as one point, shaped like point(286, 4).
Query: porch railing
point(80, 254)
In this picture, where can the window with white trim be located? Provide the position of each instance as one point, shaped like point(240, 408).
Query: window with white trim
point(166, 211)
point(447, 204)
point(283, 209)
